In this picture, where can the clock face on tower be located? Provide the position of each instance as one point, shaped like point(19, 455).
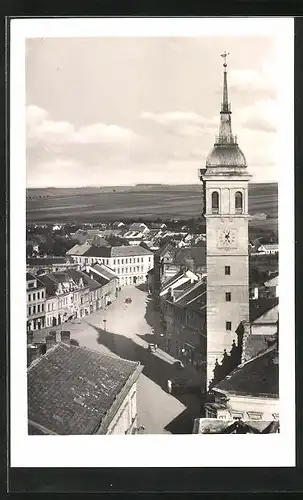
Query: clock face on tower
point(227, 238)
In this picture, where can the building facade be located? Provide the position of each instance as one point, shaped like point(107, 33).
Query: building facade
point(130, 263)
point(36, 295)
point(225, 207)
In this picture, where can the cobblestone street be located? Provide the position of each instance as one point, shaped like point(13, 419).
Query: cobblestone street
point(121, 329)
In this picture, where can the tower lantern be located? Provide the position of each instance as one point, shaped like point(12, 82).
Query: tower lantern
point(225, 207)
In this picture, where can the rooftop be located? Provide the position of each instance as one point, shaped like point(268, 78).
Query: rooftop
point(258, 377)
point(261, 307)
point(219, 426)
point(129, 251)
point(71, 389)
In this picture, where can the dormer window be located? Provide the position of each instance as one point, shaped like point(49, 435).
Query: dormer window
point(238, 202)
point(215, 202)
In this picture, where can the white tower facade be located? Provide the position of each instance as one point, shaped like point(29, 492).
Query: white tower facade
point(225, 192)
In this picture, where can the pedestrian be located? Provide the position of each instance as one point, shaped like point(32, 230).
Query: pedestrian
point(169, 386)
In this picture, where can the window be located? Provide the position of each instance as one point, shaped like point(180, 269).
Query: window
point(228, 325)
point(29, 297)
point(38, 295)
point(215, 202)
point(239, 202)
point(118, 270)
point(107, 262)
point(38, 308)
point(138, 260)
point(122, 270)
point(227, 270)
point(141, 268)
point(122, 261)
point(42, 295)
point(114, 262)
point(34, 296)
point(141, 259)
point(254, 415)
point(126, 270)
point(149, 259)
point(228, 296)
point(29, 311)
point(118, 261)
point(130, 260)
point(34, 309)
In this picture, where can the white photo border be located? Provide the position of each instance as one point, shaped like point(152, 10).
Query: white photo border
point(152, 450)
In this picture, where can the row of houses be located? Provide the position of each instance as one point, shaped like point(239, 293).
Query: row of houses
point(138, 233)
point(56, 297)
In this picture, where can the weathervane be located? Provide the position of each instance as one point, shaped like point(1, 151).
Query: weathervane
point(224, 55)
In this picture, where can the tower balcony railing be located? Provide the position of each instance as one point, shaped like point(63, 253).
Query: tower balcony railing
point(230, 139)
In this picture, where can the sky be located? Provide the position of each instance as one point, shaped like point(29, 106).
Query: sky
point(121, 111)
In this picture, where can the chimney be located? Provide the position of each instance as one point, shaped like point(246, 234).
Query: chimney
point(65, 337)
point(30, 337)
point(51, 339)
point(33, 352)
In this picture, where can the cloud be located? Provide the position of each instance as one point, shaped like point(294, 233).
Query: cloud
point(261, 116)
point(183, 123)
point(252, 81)
point(41, 129)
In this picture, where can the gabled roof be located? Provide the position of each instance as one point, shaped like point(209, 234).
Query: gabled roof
point(195, 298)
point(258, 377)
point(72, 390)
point(50, 284)
point(87, 281)
point(261, 307)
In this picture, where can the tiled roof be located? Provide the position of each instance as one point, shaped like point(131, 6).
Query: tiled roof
point(129, 251)
point(257, 377)
point(50, 284)
point(106, 271)
point(219, 426)
point(71, 389)
point(198, 254)
point(87, 281)
point(196, 297)
point(173, 279)
point(78, 249)
point(259, 307)
point(166, 248)
point(95, 251)
point(30, 277)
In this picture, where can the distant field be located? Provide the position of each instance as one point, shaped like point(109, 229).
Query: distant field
point(94, 204)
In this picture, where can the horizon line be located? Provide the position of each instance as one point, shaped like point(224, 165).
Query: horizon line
point(135, 185)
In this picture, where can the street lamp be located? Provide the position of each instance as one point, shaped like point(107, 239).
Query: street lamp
point(104, 324)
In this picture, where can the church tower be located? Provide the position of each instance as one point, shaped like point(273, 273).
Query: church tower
point(225, 207)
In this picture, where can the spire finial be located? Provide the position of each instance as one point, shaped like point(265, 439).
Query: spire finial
point(225, 55)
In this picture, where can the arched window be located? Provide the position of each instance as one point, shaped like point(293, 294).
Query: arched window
point(239, 202)
point(215, 202)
